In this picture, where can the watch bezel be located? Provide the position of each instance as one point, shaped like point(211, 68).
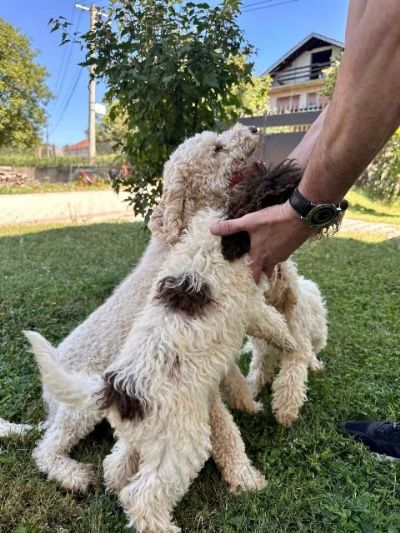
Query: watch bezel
point(315, 209)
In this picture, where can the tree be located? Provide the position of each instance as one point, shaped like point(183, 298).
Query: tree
point(252, 94)
point(172, 68)
point(23, 93)
point(330, 75)
point(112, 130)
point(382, 177)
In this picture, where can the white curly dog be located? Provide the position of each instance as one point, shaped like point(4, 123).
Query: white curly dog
point(157, 392)
point(197, 174)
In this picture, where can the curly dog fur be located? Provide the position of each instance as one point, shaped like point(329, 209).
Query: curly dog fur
point(196, 175)
point(298, 299)
point(171, 365)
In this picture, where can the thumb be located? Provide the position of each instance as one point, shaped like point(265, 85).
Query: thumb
point(226, 227)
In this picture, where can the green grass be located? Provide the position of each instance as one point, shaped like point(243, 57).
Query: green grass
point(364, 207)
point(30, 160)
point(51, 187)
point(318, 481)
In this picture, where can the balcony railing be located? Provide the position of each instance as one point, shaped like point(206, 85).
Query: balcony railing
point(295, 75)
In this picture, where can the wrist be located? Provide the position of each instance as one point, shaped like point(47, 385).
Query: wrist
point(290, 215)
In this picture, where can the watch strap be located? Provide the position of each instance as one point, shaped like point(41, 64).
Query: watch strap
point(299, 203)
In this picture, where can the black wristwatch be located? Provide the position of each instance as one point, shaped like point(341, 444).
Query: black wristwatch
point(316, 215)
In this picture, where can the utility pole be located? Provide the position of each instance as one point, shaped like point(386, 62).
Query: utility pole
point(92, 96)
point(93, 11)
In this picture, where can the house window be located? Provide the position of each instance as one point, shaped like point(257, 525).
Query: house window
point(319, 61)
point(282, 103)
point(288, 103)
point(295, 103)
point(312, 100)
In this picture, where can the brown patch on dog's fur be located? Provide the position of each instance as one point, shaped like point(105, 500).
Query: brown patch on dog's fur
point(184, 293)
point(129, 407)
point(261, 187)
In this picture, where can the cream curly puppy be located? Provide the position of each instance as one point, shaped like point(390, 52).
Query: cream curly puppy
point(197, 174)
point(307, 321)
point(299, 300)
point(157, 393)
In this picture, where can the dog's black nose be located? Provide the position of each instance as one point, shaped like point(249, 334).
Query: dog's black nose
point(253, 129)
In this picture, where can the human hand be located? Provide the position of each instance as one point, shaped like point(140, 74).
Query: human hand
point(275, 233)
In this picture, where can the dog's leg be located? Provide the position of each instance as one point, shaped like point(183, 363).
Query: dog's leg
point(237, 393)
point(170, 458)
point(51, 454)
point(264, 360)
point(266, 323)
point(289, 389)
point(120, 465)
point(228, 450)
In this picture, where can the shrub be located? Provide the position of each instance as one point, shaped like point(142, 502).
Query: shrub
point(172, 70)
point(382, 177)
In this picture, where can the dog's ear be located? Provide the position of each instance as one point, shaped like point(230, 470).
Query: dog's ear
point(168, 218)
point(129, 407)
point(263, 186)
point(187, 293)
point(235, 246)
point(260, 187)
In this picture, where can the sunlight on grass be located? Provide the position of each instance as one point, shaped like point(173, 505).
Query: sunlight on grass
point(52, 277)
point(363, 207)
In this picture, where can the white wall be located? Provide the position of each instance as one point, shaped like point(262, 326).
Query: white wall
point(304, 60)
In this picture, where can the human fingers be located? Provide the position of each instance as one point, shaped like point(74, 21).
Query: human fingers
point(227, 227)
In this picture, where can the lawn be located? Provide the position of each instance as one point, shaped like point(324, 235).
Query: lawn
point(364, 207)
point(318, 481)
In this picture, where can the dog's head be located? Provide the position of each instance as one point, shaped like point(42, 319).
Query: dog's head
point(259, 186)
point(198, 174)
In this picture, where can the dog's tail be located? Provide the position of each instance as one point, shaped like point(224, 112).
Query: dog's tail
point(7, 429)
point(72, 388)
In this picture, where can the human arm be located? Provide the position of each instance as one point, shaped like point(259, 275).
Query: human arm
point(363, 114)
point(302, 152)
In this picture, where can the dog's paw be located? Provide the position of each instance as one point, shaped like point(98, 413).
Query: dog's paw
point(289, 344)
point(247, 478)
point(317, 365)
point(77, 479)
point(286, 419)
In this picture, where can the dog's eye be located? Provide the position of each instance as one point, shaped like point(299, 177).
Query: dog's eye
point(218, 148)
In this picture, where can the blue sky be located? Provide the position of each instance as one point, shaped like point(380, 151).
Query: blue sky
point(273, 31)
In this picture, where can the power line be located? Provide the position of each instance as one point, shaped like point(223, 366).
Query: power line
point(245, 6)
point(67, 102)
point(67, 52)
point(268, 6)
point(71, 89)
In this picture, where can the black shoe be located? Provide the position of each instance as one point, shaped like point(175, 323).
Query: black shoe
point(380, 437)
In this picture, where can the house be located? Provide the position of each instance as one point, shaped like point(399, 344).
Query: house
point(297, 77)
point(79, 149)
point(48, 150)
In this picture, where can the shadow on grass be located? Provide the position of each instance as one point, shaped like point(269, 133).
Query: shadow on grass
point(317, 480)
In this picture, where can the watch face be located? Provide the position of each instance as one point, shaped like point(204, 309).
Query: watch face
point(322, 215)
